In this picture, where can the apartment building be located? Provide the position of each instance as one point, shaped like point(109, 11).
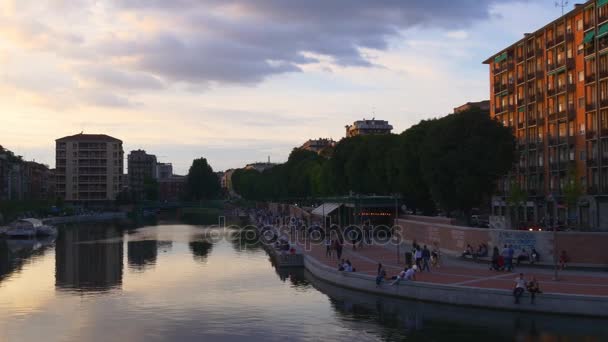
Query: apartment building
point(141, 166)
point(89, 168)
point(318, 145)
point(368, 127)
point(551, 88)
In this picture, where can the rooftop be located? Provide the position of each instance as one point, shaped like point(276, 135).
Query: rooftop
point(89, 137)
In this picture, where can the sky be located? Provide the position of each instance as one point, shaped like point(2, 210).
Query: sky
point(238, 81)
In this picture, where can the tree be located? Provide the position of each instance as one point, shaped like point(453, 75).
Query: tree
point(409, 179)
point(462, 157)
point(573, 190)
point(202, 182)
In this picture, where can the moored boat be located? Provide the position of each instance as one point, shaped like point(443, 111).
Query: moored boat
point(28, 228)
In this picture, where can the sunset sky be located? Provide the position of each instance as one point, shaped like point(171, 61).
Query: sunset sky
point(236, 81)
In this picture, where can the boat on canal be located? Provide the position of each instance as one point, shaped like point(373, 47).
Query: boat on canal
point(29, 228)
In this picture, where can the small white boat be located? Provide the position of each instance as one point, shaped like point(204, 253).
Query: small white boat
point(28, 228)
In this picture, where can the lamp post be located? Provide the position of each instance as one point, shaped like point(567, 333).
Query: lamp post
point(551, 199)
point(395, 225)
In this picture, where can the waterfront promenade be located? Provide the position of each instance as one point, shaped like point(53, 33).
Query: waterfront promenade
point(463, 282)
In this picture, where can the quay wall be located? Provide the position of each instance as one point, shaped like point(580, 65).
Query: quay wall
point(461, 295)
point(584, 249)
point(86, 218)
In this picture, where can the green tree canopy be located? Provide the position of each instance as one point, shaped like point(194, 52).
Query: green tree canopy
point(202, 182)
point(462, 157)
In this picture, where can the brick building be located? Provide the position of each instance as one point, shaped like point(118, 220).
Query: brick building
point(551, 88)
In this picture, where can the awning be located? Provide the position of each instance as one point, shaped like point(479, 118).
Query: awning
point(522, 109)
point(326, 209)
point(589, 36)
point(500, 58)
point(602, 30)
point(601, 2)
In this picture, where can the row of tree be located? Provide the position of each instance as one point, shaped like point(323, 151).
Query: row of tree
point(453, 162)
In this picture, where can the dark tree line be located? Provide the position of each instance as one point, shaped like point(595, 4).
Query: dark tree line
point(452, 162)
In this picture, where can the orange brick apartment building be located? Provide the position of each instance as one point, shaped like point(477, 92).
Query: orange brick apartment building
point(551, 88)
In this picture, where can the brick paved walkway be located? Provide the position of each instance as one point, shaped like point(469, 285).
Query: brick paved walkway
point(464, 273)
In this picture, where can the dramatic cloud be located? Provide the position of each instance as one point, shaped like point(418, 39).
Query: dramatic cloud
point(208, 42)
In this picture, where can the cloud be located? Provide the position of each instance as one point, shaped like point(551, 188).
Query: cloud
point(210, 42)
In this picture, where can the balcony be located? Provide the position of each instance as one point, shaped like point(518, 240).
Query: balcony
point(520, 79)
point(590, 106)
point(603, 74)
point(592, 162)
point(604, 132)
point(590, 78)
point(551, 91)
point(530, 53)
point(590, 49)
point(588, 25)
point(560, 38)
point(569, 36)
point(540, 121)
point(520, 59)
point(602, 17)
point(521, 125)
point(591, 134)
point(550, 43)
point(532, 98)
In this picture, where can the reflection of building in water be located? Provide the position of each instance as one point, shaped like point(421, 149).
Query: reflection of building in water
point(89, 259)
point(141, 254)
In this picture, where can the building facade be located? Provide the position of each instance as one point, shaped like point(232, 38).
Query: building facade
point(164, 170)
point(172, 188)
point(368, 127)
point(23, 180)
point(551, 88)
point(89, 168)
point(318, 145)
point(141, 167)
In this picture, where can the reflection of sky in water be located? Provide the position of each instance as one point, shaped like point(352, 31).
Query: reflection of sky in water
point(175, 285)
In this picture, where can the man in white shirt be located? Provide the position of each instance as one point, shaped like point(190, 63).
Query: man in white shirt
point(520, 286)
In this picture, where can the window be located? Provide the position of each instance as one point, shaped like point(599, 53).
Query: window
point(581, 102)
point(579, 25)
point(580, 49)
point(583, 155)
point(581, 76)
point(582, 129)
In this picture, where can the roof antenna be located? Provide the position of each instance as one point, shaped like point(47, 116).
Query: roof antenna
point(562, 4)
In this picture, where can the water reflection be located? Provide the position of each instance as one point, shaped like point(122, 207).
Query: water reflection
point(15, 252)
point(142, 254)
point(406, 319)
point(89, 258)
point(200, 249)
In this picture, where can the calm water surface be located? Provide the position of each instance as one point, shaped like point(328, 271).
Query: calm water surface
point(172, 283)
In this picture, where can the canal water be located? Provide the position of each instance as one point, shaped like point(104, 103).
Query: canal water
point(177, 282)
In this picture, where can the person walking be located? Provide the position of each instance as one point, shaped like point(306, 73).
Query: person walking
point(495, 256)
point(328, 246)
point(510, 255)
point(418, 257)
point(339, 248)
point(435, 255)
point(426, 256)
